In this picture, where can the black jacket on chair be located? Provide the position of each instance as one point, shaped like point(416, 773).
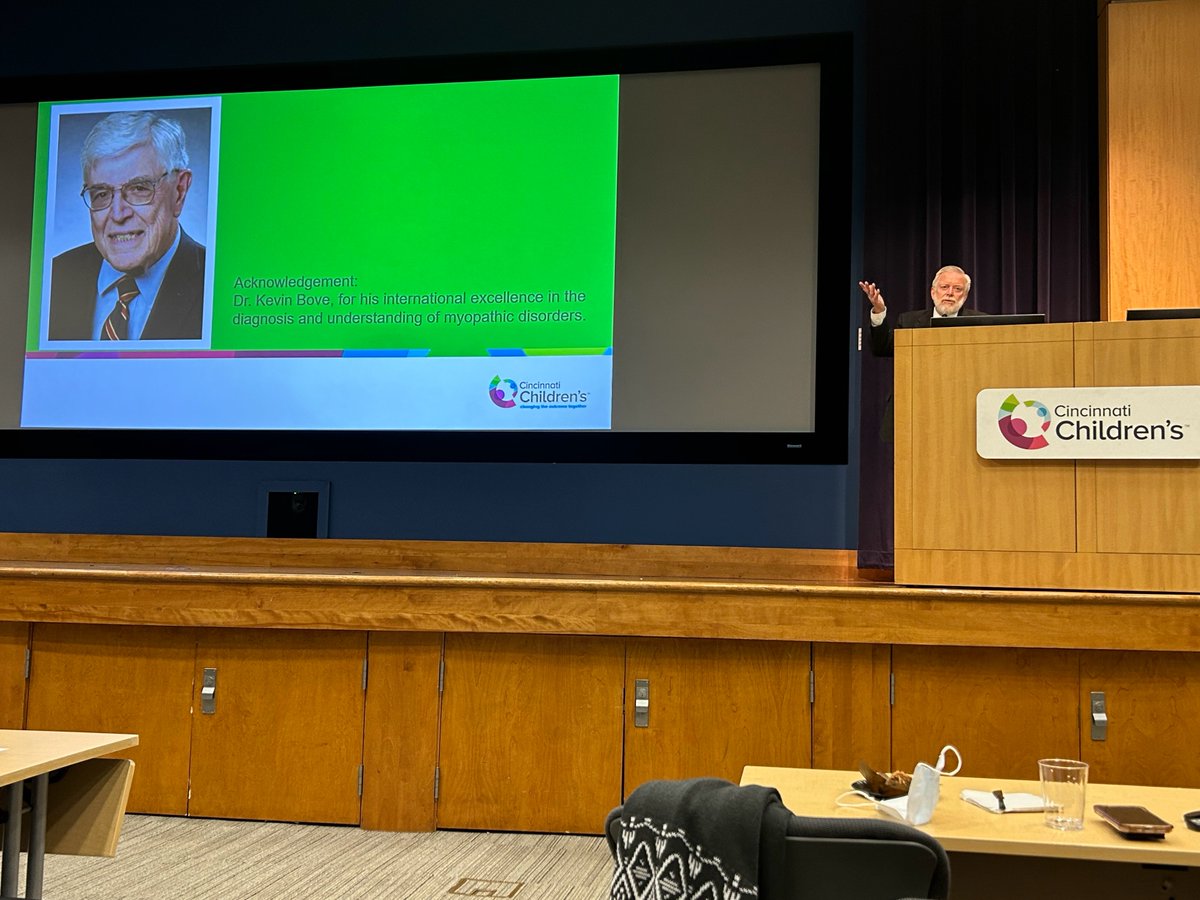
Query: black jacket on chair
point(709, 838)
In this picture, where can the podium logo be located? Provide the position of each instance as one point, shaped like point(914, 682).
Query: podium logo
point(1023, 424)
point(503, 392)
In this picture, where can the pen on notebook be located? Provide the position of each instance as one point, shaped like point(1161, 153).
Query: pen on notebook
point(999, 795)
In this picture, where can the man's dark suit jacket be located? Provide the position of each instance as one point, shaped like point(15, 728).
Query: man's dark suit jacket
point(178, 312)
point(881, 335)
point(882, 344)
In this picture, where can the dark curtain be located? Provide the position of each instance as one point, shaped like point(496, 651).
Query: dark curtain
point(982, 151)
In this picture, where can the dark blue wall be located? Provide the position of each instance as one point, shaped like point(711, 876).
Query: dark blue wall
point(797, 506)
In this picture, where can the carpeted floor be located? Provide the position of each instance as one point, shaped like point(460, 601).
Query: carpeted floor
point(166, 858)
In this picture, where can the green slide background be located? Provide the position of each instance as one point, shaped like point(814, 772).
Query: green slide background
point(445, 188)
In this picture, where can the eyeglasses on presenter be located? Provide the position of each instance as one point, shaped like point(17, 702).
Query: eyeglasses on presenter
point(136, 192)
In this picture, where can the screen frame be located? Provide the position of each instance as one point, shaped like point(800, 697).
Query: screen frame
point(826, 443)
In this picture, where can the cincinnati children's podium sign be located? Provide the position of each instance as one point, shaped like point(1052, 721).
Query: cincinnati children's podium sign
point(1088, 423)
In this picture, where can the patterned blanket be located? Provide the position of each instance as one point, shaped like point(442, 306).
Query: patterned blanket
point(689, 840)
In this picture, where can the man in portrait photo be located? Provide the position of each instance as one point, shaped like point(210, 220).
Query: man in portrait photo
point(142, 276)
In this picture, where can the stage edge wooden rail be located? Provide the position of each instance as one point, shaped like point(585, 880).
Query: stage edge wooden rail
point(385, 600)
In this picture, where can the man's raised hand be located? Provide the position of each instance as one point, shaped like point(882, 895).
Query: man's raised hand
point(874, 295)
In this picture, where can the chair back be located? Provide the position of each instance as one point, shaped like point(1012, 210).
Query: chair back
point(831, 858)
point(836, 868)
point(867, 859)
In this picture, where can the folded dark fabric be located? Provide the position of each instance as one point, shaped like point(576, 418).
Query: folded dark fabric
point(695, 839)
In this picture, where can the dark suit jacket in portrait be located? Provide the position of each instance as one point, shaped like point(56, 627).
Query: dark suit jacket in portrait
point(881, 335)
point(178, 312)
point(882, 344)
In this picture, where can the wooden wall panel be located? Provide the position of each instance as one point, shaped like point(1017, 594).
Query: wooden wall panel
point(400, 741)
point(904, 397)
point(1093, 525)
point(1158, 576)
point(1085, 469)
point(1004, 709)
point(127, 680)
point(286, 740)
point(1143, 353)
point(14, 641)
point(954, 492)
point(716, 707)
point(1154, 717)
point(531, 732)
point(1147, 506)
point(1152, 177)
point(851, 714)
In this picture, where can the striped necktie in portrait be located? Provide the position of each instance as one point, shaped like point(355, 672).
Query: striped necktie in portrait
point(116, 326)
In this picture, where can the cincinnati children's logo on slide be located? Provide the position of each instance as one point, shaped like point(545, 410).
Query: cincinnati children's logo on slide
point(503, 392)
point(1023, 423)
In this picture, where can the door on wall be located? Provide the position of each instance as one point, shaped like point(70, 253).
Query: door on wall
point(1152, 702)
point(714, 707)
point(400, 731)
point(1003, 708)
point(14, 641)
point(284, 741)
point(531, 732)
point(284, 736)
point(852, 713)
point(127, 679)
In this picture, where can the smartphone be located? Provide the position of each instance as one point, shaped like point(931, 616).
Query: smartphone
point(1133, 820)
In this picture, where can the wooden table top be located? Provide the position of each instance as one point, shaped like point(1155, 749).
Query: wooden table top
point(963, 827)
point(29, 753)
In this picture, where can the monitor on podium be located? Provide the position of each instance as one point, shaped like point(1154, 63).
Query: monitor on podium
point(976, 321)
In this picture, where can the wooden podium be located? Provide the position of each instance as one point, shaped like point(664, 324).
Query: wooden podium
point(1078, 524)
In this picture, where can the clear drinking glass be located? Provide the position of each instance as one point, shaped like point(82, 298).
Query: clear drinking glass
point(1064, 784)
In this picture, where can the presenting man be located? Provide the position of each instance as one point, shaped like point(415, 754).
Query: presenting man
point(142, 277)
point(949, 291)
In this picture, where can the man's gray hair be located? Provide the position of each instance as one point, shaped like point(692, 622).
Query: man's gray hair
point(121, 131)
point(957, 271)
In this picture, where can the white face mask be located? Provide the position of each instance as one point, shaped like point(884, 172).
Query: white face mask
point(917, 807)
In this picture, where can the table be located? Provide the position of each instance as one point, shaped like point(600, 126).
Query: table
point(93, 794)
point(983, 846)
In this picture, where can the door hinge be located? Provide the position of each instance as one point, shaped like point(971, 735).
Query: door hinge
point(441, 674)
point(812, 687)
point(364, 674)
point(892, 689)
point(860, 340)
point(28, 662)
point(437, 781)
point(360, 780)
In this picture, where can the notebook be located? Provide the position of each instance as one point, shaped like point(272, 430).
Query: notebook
point(1013, 803)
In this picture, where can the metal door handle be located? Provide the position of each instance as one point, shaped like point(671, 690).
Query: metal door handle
point(641, 703)
point(208, 692)
point(1099, 716)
